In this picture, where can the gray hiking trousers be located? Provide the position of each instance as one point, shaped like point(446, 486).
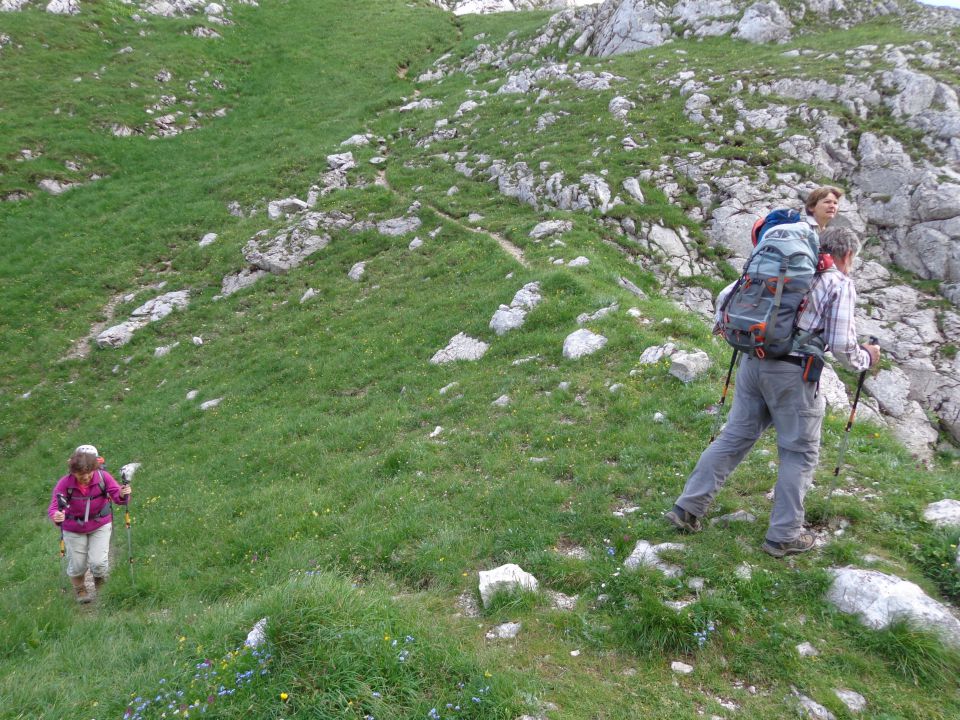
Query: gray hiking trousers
point(767, 392)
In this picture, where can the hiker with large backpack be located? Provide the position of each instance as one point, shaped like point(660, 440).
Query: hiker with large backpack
point(87, 492)
point(777, 382)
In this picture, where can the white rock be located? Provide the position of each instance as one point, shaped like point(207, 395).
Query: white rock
point(579, 261)
point(209, 404)
point(164, 350)
point(460, 347)
point(813, 710)
point(341, 161)
point(943, 513)
point(415, 243)
point(447, 388)
point(647, 555)
point(659, 417)
point(357, 271)
point(632, 186)
point(506, 319)
point(436, 431)
point(807, 650)
point(878, 599)
point(744, 571)
point(398, 226)
point(192, 395)
point(308, 295)
point(359, 140)
point(208, 239)
point(689, 366)
point(582, 342)
point(258, 635)
point(854, 701)
point(63, 7)
point(506, 631)
point(681, 668)
point(501, 401)
point(506, 578)
point(656, 353)
point(550, 227)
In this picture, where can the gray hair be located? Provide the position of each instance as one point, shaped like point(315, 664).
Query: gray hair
point(839, 241)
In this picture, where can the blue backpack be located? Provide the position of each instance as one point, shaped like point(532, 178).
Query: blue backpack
point(759, 315)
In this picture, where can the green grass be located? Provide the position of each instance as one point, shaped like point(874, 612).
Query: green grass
point(313, 495)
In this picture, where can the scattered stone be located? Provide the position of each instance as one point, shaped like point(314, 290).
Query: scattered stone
point(737, 516)
point(357, 271)
point(501, 401)
point(460, 347)
point(506, 631)
point(812, 709)
point(395, 227)
point(944, 513)
point(447, 388)
point(560, 601)
point(582, 342)
point(164, 350)
point(467, 605)
point(807, 650)
point(550, 227)
point(55, 187)
point(436, 431)
point(744, 571)
point(878, 599)
point(584, 318)
point(192, 395)
point(506, 578)
point(689, 366)
point(258, 635)
point(656, 353)
point(210, 404)
point(659, 417)
point(308, 295)
point(854, 701)
point(208, 239)
point(580, 261)
point(151, 311)
point(415, 243)
point(341, 161)
point(681, 668)
point(646, 555)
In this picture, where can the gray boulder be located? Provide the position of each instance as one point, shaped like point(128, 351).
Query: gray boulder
point(582, 342)
point(645, 554)
point(764, 22)
point(879, 599)
point(628, 26)
point(460, 347)
point(506, 578)
point(687, 366)
point(398, 226)
point(944, 513)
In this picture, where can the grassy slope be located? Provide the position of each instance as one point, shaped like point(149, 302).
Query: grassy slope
point(319, 456)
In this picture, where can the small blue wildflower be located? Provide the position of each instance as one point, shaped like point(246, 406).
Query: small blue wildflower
point(408, 639)
point(433, 714)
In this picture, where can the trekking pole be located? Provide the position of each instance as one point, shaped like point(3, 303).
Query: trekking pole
point(846, 432)
point(723, 397)
point(126, 521)
point(62, 506)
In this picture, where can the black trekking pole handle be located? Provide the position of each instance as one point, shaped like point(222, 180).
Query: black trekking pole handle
point(61, 505)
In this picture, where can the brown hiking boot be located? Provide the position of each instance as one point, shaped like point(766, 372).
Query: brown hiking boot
point(802, 544)
point(80, 589)
point(682, 520)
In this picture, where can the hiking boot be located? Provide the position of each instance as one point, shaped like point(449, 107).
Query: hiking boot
point(802, 544)
point(80, 589)
point(682, 520)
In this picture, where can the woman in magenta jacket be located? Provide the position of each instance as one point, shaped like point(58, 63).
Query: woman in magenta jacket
point(86, 516)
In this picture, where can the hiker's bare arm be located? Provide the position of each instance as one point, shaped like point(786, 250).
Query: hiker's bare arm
point(874, 351)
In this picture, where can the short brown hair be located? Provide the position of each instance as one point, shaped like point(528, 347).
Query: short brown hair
point(819, 194)
point(82, 463)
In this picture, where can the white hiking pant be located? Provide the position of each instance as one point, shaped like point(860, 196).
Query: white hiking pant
point(767, 392)
point(88, 550)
